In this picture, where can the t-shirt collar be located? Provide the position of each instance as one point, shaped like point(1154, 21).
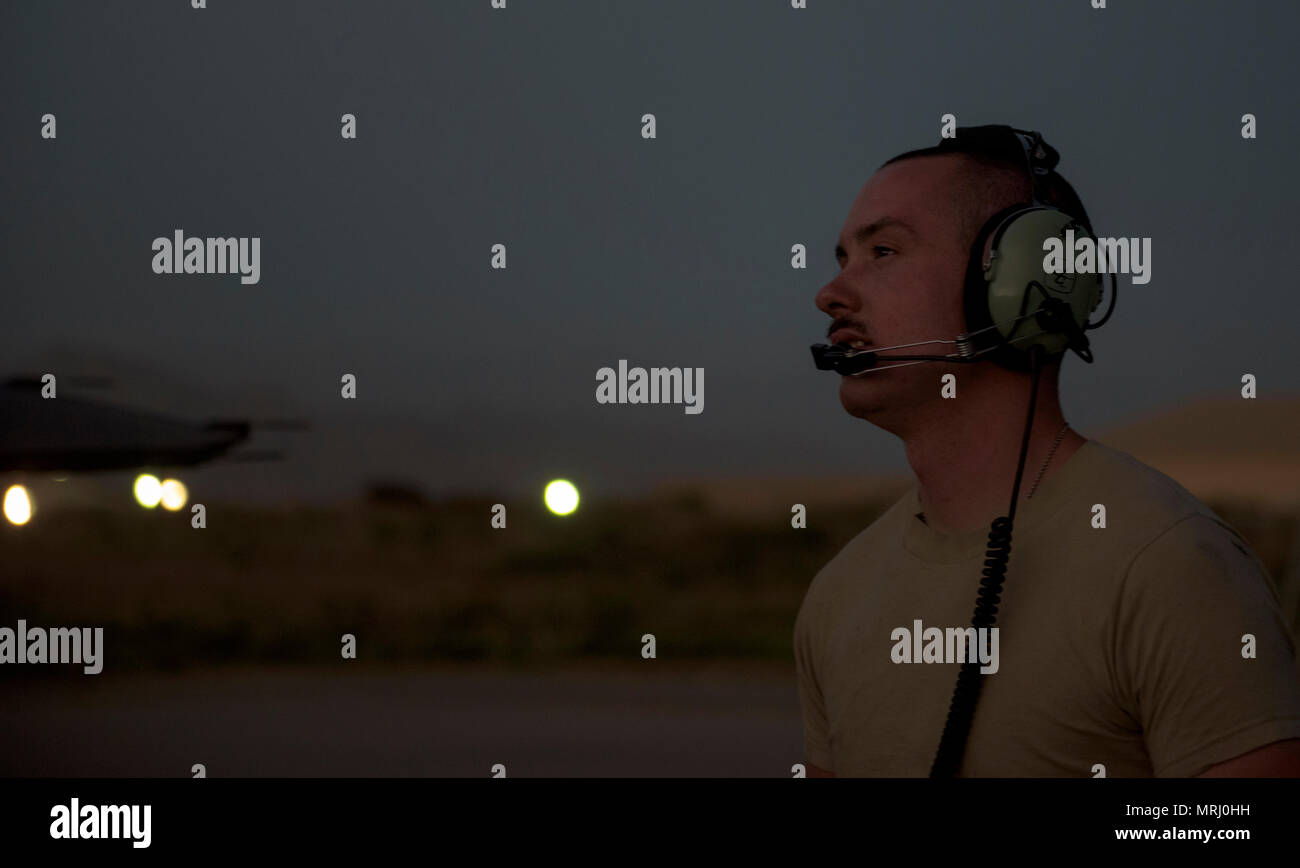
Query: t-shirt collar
point(923, 541)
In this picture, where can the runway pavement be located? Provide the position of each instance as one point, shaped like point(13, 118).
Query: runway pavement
point(637, 719)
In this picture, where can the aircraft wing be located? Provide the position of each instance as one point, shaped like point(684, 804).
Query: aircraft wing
point(40, 434)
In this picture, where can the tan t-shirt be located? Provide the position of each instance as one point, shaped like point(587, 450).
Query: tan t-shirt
point(1119, 646)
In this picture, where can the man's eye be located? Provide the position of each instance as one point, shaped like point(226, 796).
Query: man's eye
point(880, 247)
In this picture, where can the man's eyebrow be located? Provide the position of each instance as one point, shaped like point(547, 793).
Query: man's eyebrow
point(864, 232)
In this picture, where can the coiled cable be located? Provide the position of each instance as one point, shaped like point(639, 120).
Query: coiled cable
point(961, 710)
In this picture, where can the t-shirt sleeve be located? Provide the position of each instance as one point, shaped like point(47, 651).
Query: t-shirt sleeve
point(1289, 594)
point(1188, 607)
point(816, 732)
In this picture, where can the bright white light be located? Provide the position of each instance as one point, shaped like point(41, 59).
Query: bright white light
point(148, 490)
point(174, 494)
point(561, 497)
point(18, 505)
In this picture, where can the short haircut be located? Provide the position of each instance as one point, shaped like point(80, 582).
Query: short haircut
point(995, 178)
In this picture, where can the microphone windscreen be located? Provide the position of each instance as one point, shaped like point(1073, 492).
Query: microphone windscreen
point(836, 358)
point(820, 357)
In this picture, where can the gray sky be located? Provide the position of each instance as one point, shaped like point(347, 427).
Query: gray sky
point(478, 126)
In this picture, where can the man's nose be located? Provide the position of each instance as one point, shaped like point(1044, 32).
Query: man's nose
point(836, 295)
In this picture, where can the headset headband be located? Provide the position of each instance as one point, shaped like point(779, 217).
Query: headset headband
point(1009, 143)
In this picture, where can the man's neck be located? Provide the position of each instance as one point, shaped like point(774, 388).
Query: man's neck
point(965, 467)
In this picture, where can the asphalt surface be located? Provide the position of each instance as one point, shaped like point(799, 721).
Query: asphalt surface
point(642, 719)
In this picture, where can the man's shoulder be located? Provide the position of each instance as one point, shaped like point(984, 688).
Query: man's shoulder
point(1148, 511)
point(1135, 485)
point(1157, 534)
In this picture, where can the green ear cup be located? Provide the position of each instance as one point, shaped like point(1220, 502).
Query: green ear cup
point(1014, 283)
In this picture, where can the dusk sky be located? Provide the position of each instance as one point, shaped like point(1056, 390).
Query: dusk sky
point(522, 127)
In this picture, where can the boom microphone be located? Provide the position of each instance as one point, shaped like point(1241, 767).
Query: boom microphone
point(850, 361)
point(1052, 315)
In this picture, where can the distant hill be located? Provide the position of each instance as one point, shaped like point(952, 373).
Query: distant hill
point(1230, 448)
point(1237, 449)
point(1216, 426)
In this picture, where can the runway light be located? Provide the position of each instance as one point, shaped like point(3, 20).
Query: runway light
point(174, 494)
point(148, 490)
point(561, 497)
point(18, 505)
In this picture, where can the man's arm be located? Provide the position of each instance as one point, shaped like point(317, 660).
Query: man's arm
point(815, 725)
point(1281, 759)
point(1203, 657)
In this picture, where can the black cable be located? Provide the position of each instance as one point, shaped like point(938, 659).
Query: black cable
point(961, 711)
point(1114, 293)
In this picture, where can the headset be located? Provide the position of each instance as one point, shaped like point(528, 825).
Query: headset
point(1017, 315)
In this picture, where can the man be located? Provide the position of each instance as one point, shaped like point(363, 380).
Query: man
point(1152, 646)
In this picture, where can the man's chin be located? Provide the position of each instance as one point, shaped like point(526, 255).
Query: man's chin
point(860, 398)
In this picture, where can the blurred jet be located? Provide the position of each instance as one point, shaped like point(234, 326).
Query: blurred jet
point(74, 434)
point(68, 435)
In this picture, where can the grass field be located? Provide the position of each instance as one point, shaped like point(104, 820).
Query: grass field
point(435, 583)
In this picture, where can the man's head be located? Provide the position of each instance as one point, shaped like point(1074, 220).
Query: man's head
point(903, 253)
